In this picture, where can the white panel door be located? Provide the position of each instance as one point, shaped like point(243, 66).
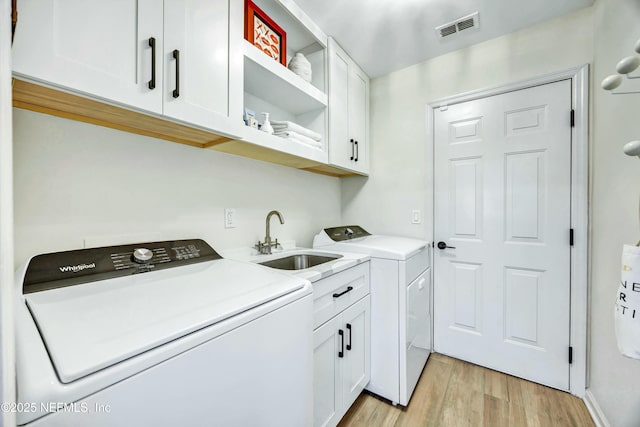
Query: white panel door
point(357, 361)
point(502, 201)
point(327, 373)
point(96, 47)
point(196, 55)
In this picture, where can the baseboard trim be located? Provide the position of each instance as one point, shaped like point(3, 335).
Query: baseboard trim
point(594, 409)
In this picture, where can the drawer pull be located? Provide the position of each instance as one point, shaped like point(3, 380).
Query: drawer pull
point(341, 352)
point(421, 283)
point(349, 329)
point(152, 45)
point(349, 289)
point(176, 56)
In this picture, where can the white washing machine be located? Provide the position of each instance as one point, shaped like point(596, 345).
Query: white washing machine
point(161, 334)
point(400, 306)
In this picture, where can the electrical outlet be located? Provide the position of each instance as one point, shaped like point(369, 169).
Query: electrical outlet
point(416, 217)
point(229, 218)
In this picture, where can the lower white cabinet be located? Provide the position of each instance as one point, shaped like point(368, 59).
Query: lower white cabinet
point(342, 350)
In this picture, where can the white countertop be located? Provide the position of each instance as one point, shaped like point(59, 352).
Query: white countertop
point(312, 274)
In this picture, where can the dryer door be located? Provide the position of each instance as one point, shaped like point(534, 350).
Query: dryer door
point(418, 342)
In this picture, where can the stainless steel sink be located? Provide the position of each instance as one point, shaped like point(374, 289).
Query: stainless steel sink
point(299, 261)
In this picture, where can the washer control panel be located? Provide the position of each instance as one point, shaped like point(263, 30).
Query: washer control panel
point(60, 269)
point(346, 232)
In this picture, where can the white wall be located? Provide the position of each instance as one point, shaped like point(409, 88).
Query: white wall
point(615, 181)
point(75, 181)
point(398, 182)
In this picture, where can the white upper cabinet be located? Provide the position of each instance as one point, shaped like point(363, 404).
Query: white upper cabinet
point(348, 112)
point(196, 61)
point(99, 48)
point(358, 116)
point(168, 57)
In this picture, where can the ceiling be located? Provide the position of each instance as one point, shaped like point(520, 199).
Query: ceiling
point(386, 35)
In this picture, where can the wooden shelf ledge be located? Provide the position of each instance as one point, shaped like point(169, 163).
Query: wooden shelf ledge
point(42, 99)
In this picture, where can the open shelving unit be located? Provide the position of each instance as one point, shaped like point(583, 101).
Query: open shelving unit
point(268, 79)
point(271, 87)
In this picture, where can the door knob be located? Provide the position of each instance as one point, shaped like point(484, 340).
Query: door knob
point(443, 245)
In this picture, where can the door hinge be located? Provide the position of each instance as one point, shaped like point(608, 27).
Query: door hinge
point(570, 355)
point(573, 118)
point(433, 245)
point(14, 18)
point(571, 237)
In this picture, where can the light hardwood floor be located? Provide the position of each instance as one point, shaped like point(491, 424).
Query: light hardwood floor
point(456, 393)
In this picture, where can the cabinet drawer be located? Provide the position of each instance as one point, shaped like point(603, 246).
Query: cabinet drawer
point(325, 306)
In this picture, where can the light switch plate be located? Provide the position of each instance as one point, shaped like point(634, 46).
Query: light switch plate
point(230, 218)
point(416, 216)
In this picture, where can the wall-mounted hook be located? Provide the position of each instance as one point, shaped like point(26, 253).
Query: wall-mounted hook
point(624, 67)
point(632, 148)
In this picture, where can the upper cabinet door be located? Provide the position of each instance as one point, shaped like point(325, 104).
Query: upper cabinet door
point(96, 47)
point(342, 147)
point(358, 117)
point(348, 112)
point(196, 54)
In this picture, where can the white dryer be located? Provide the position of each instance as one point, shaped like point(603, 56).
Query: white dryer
point(161, 334)
point(400, 306)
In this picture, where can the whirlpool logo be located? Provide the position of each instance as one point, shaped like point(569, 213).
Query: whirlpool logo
point(76, 268)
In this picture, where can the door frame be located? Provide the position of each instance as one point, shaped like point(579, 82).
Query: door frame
point(579, 270)
point(7, 290)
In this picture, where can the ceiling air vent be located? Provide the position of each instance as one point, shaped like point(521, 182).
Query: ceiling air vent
point(448, 30)
point(460, 24)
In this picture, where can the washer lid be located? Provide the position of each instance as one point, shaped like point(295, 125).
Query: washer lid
point(91, 326)
point(390, 247)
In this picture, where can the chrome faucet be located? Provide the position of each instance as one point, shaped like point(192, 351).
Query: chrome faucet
point(265, 248)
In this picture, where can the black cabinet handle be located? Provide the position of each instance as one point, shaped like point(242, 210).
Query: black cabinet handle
point(152, 45)
point(176, 56)
point(341, 352)
point(349, 289)
point(349, 329)
point(357, 152)
point(352, 153)
point(443, 245)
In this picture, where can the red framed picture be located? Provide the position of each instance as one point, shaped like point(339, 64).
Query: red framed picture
point(263, 33)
